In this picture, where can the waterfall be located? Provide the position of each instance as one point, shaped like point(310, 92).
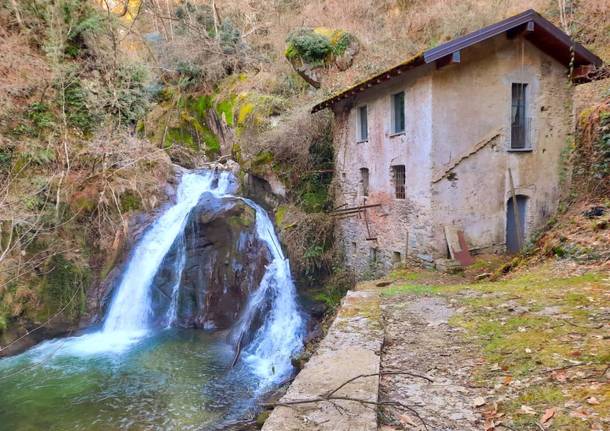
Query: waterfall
point(209, 255)
point(172, 311)
point(129, 319)
point(281, 334)
point(129, 313)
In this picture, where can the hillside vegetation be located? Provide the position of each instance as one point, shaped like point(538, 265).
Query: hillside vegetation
point(99, 97)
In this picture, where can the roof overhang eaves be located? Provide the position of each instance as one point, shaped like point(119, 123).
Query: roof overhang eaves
point(450, 47)
point(412, 63)
point(582, 55)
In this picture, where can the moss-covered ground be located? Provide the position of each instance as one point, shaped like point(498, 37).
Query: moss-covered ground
point(543, 338)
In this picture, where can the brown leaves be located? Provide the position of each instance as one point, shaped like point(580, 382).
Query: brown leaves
point(407, 420)
point(492, 418)
point(559, 375)
point(548, 415)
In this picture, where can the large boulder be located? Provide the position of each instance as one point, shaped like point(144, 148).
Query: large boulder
point(311, 51)
point(224, 261)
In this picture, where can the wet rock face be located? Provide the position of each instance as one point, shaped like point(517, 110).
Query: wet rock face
point(224, 261)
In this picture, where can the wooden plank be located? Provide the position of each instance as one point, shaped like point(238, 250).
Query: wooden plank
point(458, 248)
point(453, 241)
point(463, 256)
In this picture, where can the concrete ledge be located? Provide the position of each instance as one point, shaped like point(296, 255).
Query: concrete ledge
point(351, 348)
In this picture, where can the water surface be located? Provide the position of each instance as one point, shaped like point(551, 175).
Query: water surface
point(175, 380)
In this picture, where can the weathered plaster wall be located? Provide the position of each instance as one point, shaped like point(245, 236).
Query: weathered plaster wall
point(400, 226)
point(455, 153)
point(471, 105)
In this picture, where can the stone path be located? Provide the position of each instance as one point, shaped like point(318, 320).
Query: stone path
point(351, 348)
point(397, 333)
point(418, 339)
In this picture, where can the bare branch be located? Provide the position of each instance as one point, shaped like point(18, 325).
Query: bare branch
point(330, 396)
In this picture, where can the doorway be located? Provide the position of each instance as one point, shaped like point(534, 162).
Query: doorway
point(515, 236)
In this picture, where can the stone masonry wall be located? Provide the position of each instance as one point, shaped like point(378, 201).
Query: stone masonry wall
point(455, 153)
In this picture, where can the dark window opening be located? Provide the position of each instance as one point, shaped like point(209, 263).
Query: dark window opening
point(364, 180)
point(398, 176)
point(397, 258)
point(363, 124)
point(398, 112)
point(373, 255)
point(518, 127)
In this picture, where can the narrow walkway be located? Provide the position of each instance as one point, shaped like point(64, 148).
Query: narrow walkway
point(419, 339)
point(350, 349)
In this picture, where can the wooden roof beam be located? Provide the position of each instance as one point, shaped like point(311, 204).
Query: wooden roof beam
point(453, 58)
point(525, 29)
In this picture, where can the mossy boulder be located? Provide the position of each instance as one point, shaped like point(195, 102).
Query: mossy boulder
point(194, 123)
point(310, 49)
point(254, 110)
point(225, 261)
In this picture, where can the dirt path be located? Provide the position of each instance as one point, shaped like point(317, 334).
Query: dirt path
point(418, 339)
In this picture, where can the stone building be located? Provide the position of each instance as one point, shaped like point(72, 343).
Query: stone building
point(433, 144)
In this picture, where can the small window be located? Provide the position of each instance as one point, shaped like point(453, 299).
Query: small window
point(398, 177)
point(364, 180)
point(398, 113)
point(363, 124)
point(519, 126)
point(373, 255)
point(397, 258)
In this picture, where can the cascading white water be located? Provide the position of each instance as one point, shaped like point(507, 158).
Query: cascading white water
point(172, 311)
point(132, 372)
point(130, 310)
point(281, 334)
point(128, 320)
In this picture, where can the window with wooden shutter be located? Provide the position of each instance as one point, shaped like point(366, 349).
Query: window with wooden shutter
point(363, 124)
point(518, 118)
point(398, 112)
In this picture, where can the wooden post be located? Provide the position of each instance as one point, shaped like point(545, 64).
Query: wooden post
point(515, 209)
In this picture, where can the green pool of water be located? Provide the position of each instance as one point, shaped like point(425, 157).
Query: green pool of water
point(174, 380)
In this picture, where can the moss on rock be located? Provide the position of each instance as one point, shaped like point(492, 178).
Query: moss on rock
point(64, 285)
point(317, 46)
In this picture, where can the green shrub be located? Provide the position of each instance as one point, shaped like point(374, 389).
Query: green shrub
point(190, 74)
point(229, 36)
point(336, 287)
point(309, 46)
point(601, 166)
point(202, 14)
point(130, 201)
point(41, 116)
point(6, 157)
point(130, 99)
point(343, 41)
point(76, 103)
